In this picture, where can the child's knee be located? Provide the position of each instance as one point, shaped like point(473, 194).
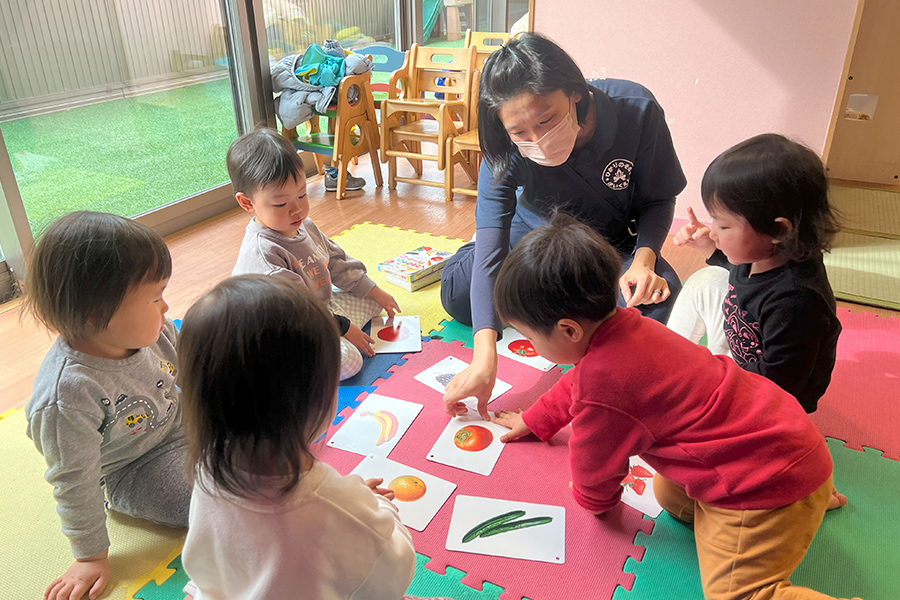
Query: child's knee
point(351, 360)
point(673, 499)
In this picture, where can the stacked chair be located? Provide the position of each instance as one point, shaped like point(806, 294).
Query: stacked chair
point(463, 148)
point(414, 115)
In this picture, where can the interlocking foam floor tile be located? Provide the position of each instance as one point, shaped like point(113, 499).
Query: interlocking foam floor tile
point(33, 551)
point(374, 367)
point(453, 330)
point(851, 555)
point(348, 398)
point(373, 244)
point(862, 404)
point(427, 583)
point(166, 582)
point(528, 471)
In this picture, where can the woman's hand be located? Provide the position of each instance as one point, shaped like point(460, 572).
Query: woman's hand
point(373, 485)
point(358, 338)
point(514, 421)
point(385, 300)
point(475, 380)
point(695, 234)
point(649, 288)
point(86, 575)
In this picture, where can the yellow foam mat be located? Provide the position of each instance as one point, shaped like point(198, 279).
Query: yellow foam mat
point(33, 550)
point(373, 244)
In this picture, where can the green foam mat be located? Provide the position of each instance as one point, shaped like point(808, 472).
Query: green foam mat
point(865, 269)
point(876, 212)
point(850, 556)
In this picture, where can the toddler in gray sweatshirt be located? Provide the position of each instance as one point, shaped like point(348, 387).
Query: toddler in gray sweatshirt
point(105, 410)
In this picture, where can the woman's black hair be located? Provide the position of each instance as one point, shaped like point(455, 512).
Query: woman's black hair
point(84, 265)
point(770, 176)
point(564, 270)
point(528, 63)
point(259, 358)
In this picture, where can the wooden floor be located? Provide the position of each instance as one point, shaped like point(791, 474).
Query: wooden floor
point(204, 255)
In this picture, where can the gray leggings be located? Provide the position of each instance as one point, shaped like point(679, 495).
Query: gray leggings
point(155, 486)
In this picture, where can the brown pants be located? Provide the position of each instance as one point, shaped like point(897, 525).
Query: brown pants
point(749, 554)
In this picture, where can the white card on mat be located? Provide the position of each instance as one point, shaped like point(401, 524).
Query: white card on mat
point(469, 444)
point(418, 495)
point(638, 487)
point(514, 345)
point(544, 540)
point(439, 375)
point(375, 426)
point(399, 334)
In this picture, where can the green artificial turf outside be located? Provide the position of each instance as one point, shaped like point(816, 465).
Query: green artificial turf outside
point(125, 156)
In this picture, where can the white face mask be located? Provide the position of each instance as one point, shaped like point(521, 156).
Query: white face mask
point(555, 146)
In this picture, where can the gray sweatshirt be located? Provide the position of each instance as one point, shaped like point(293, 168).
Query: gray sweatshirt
point(310, 257)
point(92, 416)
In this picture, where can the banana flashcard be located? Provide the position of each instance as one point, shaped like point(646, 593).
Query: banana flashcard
point(375, 426)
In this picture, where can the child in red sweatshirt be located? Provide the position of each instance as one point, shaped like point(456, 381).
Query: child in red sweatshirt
point(735, 454)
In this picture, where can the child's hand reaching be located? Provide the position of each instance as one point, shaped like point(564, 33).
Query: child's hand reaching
point(85, 575)
point(514, 421)
point(386, 301)
point(358, 338)
point(373, 485)
point(695, 235)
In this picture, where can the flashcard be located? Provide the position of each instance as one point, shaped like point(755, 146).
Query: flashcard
point(375, 426)
point(508, 528)
point(469, 444)
point(638, 487)
point(417, 495)
point(438, 376)
point(398, 334)
point(514, 345)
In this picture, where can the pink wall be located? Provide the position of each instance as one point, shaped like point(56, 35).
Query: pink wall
point(723, 70)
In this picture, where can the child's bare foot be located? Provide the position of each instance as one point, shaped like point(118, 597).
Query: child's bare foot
point(837, 500)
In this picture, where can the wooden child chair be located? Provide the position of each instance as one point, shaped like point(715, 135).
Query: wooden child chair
point(464, 148)
point(352, 131)
point(403, 130)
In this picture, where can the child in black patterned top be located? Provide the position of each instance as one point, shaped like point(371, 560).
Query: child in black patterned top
point(768, 199)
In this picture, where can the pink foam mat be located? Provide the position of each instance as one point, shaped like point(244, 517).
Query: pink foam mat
point(862, 404)
point(527, 471)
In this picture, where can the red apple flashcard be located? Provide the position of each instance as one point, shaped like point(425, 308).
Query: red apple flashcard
point(514, 345)
point(638, 487)
point(399, 334)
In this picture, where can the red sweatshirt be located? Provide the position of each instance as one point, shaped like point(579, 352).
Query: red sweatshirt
point(732, 438)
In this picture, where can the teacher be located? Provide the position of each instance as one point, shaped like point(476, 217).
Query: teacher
point(599, 150)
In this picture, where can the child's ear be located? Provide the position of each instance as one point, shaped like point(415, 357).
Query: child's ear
point(571, 329)
point(244, 202)
point(786, 228)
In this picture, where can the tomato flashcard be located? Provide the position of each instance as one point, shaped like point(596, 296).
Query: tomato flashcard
point(638, 487)
point(438, 376)
point(375, 426)
point(469, 444)
point(508, 528)
point(400, 334)
point(514, 345)
point(417, 495)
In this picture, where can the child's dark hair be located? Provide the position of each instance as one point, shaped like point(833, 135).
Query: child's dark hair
point(260, 158)
point(528, 63)
point(259, 359)
point(564, 270)
point(770, 176)
point(84, 265)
